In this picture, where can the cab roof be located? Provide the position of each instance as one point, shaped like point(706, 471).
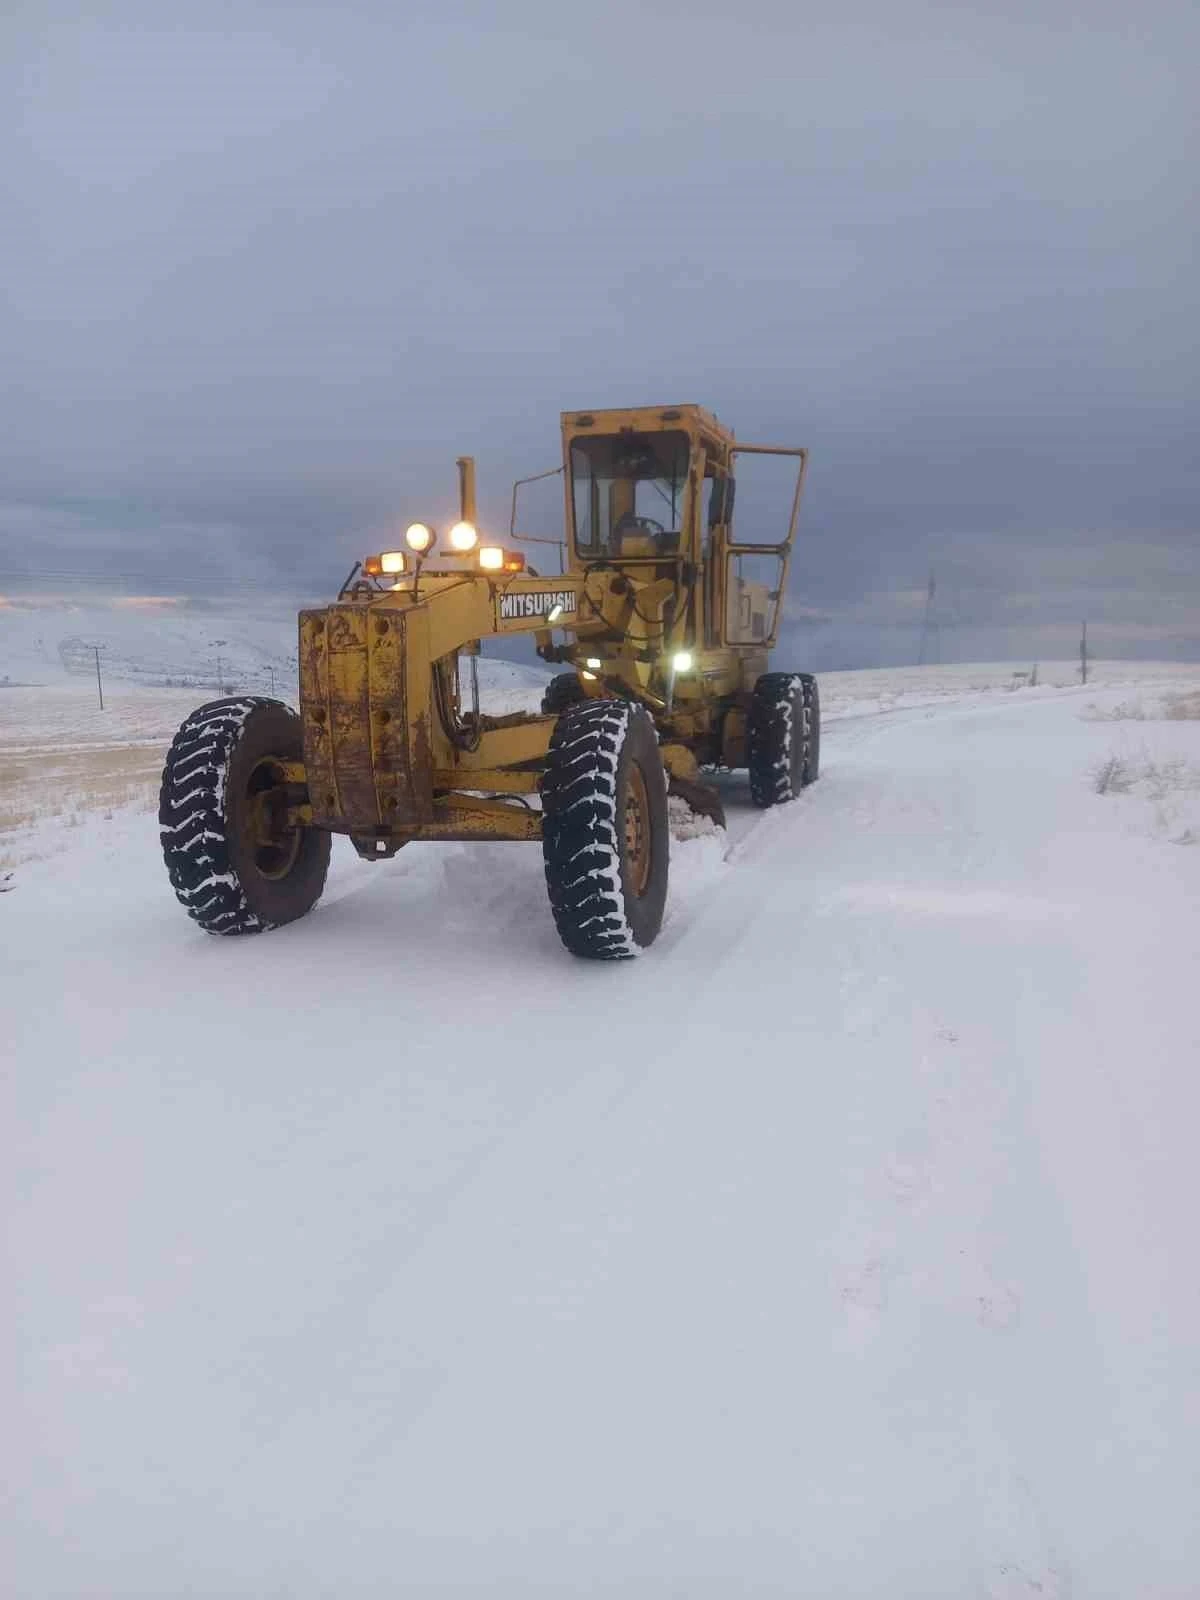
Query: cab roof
point(647, 419)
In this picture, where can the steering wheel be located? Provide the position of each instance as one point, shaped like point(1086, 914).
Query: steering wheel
point(630, 522)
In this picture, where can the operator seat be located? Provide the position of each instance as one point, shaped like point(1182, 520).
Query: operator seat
point(633, 542)
point(642, 536)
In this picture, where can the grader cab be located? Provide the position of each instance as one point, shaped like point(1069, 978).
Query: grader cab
point(664, 613)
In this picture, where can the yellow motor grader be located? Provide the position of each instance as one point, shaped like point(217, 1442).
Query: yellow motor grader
point(668, 604)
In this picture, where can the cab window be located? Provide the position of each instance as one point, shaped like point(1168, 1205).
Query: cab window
point(627, 493)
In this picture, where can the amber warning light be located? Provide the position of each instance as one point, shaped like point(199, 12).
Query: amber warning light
point(493, 559)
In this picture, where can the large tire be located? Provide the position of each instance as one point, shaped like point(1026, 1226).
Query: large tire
point(812, 727)
point(605, 834)
point(783, 737)
point(227, 880)
point(562, 691)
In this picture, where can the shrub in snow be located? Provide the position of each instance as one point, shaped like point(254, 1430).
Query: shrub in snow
point(1114, 776)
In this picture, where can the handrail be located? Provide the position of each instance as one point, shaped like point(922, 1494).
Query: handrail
point(533, 538)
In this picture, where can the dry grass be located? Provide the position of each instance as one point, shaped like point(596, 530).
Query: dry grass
point(1127, 711)
point(1182, 707)
point(1114, 775)
point(1119, 775)
point(44, 791)
point(1166, 708)
point(1170, 787)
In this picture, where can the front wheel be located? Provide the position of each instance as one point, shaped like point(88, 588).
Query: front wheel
point(237, 859)
point(605, 834)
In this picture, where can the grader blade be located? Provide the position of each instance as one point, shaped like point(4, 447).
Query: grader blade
point(701, 798)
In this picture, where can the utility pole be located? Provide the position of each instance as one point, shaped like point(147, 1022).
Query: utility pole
point(99, 685)
point(1083, 655)
point(271, 670)
point(929, 628)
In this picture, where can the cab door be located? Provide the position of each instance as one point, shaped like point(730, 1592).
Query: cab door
point(759, 528)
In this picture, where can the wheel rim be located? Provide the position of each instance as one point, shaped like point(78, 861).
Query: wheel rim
point(271, 843)
point(638, 850)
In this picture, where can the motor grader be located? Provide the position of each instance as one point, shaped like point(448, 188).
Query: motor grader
point(663, 614)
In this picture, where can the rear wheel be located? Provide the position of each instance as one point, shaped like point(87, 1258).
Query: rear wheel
point(783, 736)
point(562, 691)
point(605, 836)
point(812, 727)
point(236, 859)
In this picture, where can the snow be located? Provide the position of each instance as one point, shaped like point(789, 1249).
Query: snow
point(152, 643)
point(66, 761)
point(841, 1244)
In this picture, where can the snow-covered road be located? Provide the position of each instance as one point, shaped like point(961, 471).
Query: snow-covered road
point(843, 1244)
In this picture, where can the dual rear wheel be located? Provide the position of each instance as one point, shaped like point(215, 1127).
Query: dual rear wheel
point(783, 737)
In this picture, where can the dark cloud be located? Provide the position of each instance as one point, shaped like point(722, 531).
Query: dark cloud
point(268, 269)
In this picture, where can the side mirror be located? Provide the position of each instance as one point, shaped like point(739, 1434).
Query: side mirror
point(720, 505)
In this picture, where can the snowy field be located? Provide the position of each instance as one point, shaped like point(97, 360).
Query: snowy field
point(841, 1245)
point(65, 763)
point(153, 643)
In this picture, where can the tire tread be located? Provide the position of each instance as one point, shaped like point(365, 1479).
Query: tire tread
point(191, 816)
point(580, 840)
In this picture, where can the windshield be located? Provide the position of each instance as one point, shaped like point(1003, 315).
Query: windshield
point(627, 493)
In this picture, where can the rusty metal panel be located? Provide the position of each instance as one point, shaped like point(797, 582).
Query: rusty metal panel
point(314, 711)
point(470, 817)
point(382, 716)
point(398, 711)
point(348, 700)
point(494, 779)
point(418, 714)
point(365, 702)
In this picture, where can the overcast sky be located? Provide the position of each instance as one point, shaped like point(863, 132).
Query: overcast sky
point(267, 270)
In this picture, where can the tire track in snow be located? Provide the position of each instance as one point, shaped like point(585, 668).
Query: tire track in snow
point(917, 1225)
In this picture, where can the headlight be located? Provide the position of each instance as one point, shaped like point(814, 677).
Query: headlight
point(463, 536)
point(682, 661)
point(418, 536)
